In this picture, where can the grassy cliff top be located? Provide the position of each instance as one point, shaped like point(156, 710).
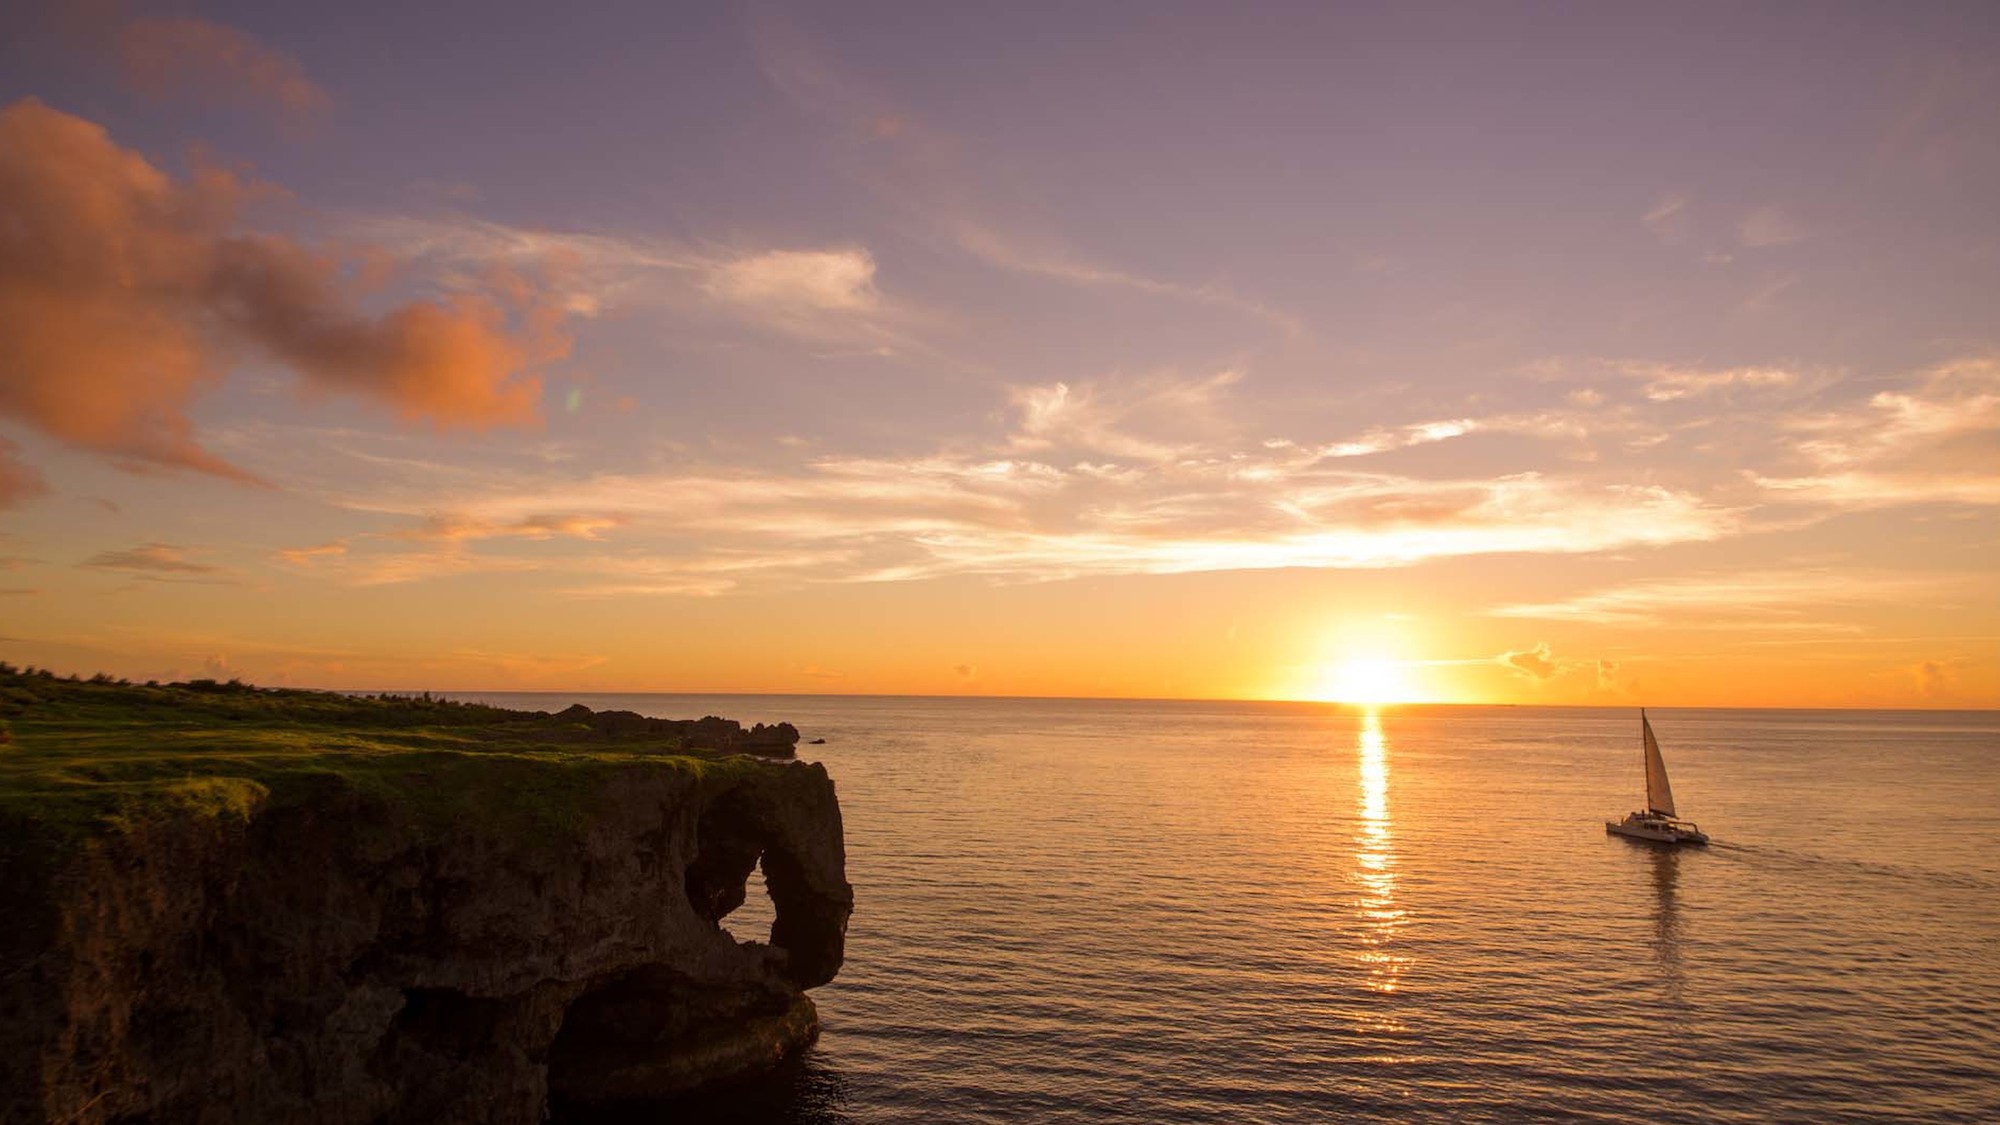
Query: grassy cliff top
point(81, 757)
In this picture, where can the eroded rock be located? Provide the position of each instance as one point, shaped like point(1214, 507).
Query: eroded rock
point(331, 957)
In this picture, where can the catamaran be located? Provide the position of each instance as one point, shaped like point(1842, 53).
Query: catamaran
point(1657, 821)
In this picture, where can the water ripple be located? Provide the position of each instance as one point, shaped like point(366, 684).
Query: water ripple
point(1090, 912)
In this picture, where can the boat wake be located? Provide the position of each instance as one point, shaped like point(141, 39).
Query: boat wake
point(1954, 880)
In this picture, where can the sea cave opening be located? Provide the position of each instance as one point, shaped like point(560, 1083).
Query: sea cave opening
point(728, 855)
point(754, 918)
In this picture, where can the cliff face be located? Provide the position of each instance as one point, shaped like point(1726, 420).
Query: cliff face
point(329, 954)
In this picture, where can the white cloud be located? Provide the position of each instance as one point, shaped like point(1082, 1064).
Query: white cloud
point(799, 280)
point(1147, 418)
point(1019, 519)
point(824, 294)
point(1383, 439)
point(1119, 475)
point(1667, 382)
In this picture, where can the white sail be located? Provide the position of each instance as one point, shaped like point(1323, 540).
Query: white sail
point(1659, 795)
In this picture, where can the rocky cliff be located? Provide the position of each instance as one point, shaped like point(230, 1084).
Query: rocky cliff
point(275, 930)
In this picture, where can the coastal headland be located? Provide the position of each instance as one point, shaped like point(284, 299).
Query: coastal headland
point(227, 903)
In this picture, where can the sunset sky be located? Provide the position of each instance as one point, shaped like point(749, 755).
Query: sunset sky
point(1553, 354)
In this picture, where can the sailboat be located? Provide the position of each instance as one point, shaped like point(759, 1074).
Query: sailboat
point(1657, 821)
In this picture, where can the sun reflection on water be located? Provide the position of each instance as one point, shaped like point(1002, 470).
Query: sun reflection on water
point(1375, 864)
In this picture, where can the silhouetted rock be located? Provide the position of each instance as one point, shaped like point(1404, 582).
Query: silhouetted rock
point(706, 733)
point(778, 739)
point(628, 722)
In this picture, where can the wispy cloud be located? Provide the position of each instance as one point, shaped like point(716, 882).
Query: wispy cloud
point(1061, 497)
point(1667, 382)
point(710, 574)
point(819, 294)
point(1769, 226)
point(1667, 218)
point(541, 527)
point(1156, 473)
point(1043, 256)
point(441, 542)
point(304, 556)
point(1146, 418)
point(169, 56)
point(159, 562)
point(338, 564)
point(928, 172)
point(1731, 599)
point(1936, 441)
point(1384, 439)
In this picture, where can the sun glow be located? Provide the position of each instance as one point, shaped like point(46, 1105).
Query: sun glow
point(1368, 680)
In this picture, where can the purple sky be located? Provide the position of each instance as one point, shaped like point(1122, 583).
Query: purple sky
point(1657, 341)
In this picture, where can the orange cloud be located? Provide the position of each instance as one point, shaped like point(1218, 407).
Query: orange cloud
point(449, 363)
point(1933, 676)
point(1536, 663)
point(302, 556)
point(443, 551)
point(171, 56)
point(158, 562)
point(123, 293)
point(453, 529)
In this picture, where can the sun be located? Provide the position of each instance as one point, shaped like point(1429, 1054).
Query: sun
point(1367, 680)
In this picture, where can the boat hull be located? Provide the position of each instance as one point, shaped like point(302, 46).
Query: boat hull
point(1656, 832)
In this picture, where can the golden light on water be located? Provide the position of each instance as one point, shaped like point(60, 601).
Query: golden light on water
point(1375, 862)
point(1374, 770)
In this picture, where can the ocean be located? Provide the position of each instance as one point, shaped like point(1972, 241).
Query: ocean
point(1089, 910)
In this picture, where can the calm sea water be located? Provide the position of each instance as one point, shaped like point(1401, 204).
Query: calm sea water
point(1152, 911)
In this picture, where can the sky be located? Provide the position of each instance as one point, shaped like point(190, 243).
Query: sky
point(1578, 354)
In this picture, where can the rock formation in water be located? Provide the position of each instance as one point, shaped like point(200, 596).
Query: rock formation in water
point(708, 733)
point(425, 937)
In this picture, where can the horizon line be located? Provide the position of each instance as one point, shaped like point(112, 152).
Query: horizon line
point(1152, 699)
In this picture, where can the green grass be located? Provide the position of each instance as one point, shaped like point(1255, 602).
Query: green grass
point(83, 757)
